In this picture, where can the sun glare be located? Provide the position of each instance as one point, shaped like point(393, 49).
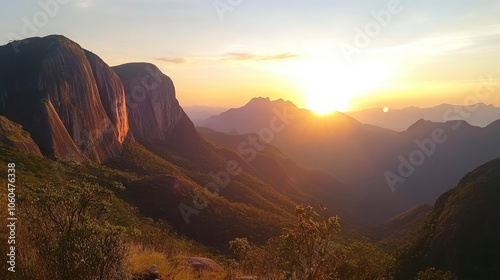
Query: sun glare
point(329, 87)
point(323, 101)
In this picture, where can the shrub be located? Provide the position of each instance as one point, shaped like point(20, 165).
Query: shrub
point(75, 238)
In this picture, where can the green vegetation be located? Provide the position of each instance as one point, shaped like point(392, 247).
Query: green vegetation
point(12, 130)
point(76, 236)
point(81, 221)
point(311, 250)
point(73, 225)
point(461, 233)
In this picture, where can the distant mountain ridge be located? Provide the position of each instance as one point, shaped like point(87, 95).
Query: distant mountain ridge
point(479, 114)
point(199, 113)
point(373, 160)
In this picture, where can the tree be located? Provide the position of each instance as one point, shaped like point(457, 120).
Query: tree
point(366, 261)
point(308, 249)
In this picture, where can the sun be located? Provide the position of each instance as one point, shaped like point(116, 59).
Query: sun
point(327, 89)
point(323, 101)
point(333, 87)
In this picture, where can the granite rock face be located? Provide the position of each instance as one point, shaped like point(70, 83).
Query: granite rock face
point(154, 114)
point(112, 94)
point(69, 100)
point(76, 107)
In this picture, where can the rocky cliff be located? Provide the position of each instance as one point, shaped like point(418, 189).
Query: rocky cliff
point(154, 114)
point(69, 100)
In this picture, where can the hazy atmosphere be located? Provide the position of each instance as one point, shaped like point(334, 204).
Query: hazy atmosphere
point(249, 140)
point(351, 55)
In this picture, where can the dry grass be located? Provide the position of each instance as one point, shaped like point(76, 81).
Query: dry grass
point(140, 258)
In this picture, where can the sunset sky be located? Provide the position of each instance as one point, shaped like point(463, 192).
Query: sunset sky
point(222, 53)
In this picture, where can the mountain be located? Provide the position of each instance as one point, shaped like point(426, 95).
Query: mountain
point(478, 114)
point(387, 171)
point(112, 149)
point(153, 110)
point(461, 233)
point(72, 107)
point(335, 143)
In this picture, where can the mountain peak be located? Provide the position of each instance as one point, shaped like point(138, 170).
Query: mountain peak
point(421, 123)
point(79, 105)
point(266, 102)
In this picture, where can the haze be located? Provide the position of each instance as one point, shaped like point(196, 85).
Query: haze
point(223, 53)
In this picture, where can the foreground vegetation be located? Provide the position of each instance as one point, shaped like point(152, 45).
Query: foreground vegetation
point(73, 224)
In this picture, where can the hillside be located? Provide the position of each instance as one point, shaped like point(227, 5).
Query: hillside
point(461, 233)
point(301, 185)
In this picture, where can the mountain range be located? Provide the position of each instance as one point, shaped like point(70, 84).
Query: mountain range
point(479, 114)
point(241, 173)
point(388, 171)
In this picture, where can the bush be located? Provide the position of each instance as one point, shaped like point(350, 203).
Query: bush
point(310, 250)
point(366, 261)
point(306, 250)
point(75, 238)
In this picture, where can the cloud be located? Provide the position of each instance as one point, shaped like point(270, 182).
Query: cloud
point(84, 3)
point(254, 57)
point(174, 60)
point(442, 45)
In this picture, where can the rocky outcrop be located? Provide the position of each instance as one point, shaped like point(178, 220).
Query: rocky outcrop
point(68, 100)
point(200, 264)
point(153, 111)
point(76, 107)
point(12, 134)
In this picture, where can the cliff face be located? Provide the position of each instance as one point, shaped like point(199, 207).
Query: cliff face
point(154, 114)
point(112, 94)
point(70, 101)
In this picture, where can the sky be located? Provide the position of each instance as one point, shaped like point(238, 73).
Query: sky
point(321, 55)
